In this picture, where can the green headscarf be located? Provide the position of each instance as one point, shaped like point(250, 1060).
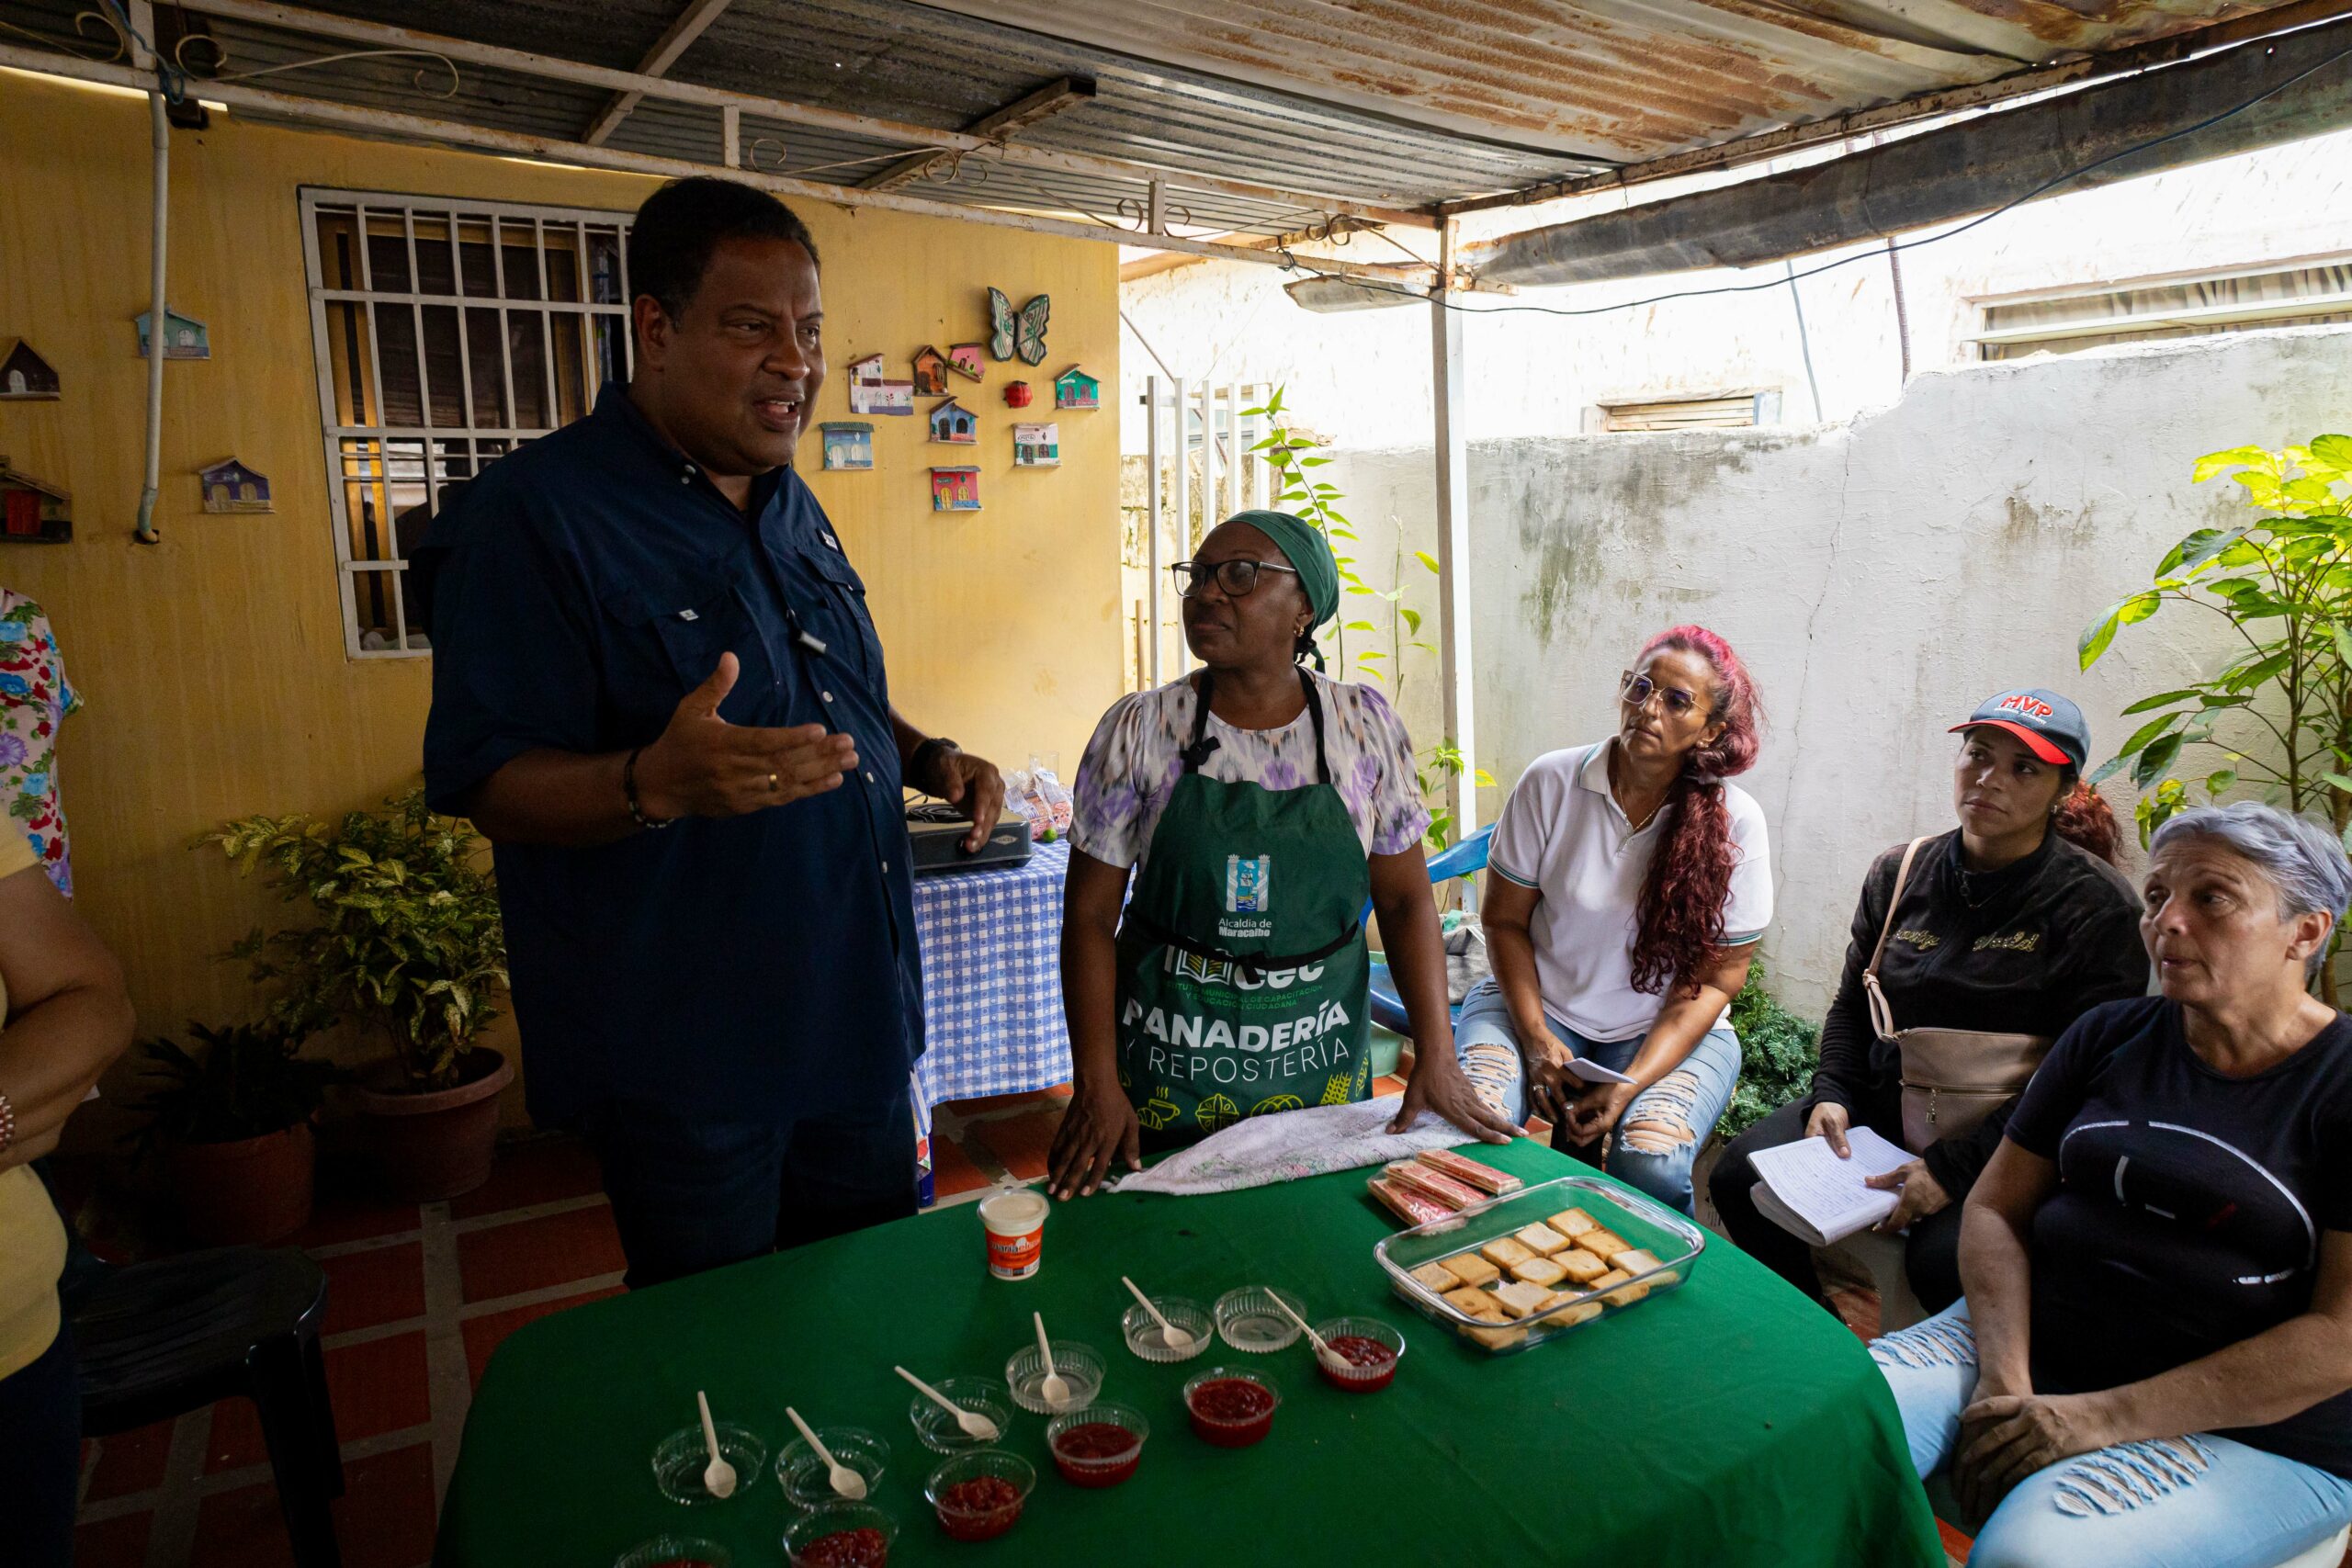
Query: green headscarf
point(1318, 569)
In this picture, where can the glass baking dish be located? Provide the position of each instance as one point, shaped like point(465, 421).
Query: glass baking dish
point(1640, 1221)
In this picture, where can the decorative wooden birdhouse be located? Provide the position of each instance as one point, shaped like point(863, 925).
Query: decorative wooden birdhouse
point(1074, 388)
point(1036, 445)
point(1017, 394)
point(183, 336)
point(33, 512)
point(968, 360)
point(25, 375)
point(954, 490)
point(953, 423)
point(931, 373)
point(229, 486)
point(871, 392)
point(848, 446)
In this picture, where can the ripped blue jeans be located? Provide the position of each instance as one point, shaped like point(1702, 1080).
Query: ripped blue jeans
point(2199, 1501)
point(1660, 1133)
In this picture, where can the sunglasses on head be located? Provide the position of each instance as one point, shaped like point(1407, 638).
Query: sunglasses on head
point(1638, 690)
point(1236, 577)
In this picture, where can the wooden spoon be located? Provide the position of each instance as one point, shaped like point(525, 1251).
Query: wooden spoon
point(842, 1479)
point(1177, 1339)
point(718, 1476)
point(1055, 1390)
point(975, 1424)
point(1323, 1352)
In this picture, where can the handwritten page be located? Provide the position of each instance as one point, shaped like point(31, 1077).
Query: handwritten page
point(1813, 1185)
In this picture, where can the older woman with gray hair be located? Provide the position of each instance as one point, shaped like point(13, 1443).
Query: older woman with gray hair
point(2152, 1362)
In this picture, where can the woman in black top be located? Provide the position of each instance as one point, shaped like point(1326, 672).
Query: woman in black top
point(2006, 927)
point(2153, 1364)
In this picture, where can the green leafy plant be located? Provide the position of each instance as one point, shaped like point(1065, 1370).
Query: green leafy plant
point(1778, 1053)
point(1290, 453)
point(241, 1081)
point(2279, 711)
point(410, 946)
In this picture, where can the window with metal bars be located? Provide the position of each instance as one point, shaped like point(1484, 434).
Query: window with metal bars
point(447, 333)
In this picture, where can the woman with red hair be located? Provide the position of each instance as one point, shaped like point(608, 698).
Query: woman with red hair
point(1626, 886)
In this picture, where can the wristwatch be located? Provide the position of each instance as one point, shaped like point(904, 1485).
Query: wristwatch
point(921, 757)
point(7, 1123)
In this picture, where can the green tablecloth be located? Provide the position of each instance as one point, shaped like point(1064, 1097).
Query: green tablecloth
point(1731, 1422)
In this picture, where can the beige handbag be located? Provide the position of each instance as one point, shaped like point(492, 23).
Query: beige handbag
point(1953, 1078)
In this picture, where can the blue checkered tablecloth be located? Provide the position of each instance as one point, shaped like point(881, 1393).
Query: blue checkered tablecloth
point(991, 979)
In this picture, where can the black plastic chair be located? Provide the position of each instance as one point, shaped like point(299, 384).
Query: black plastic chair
point(156, 1341)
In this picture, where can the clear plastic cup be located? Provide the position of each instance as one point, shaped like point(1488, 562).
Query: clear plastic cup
point(805, 1478)
point(1087, 1444)
point(1144, 1337)
point(679, 1462)
point(1081, 1366)
point(942, 1433)
point(676, 1551)
point(841, 1535)
point(980, 1496)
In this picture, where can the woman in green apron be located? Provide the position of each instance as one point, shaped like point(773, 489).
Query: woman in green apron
point(1260, 804)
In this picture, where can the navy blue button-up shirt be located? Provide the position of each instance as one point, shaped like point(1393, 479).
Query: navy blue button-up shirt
point(750, 968)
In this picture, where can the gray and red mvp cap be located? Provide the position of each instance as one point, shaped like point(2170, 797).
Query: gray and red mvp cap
point(2051, 728)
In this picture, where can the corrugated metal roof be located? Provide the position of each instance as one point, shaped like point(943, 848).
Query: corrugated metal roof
point(1623, 80)
point(1398, 103)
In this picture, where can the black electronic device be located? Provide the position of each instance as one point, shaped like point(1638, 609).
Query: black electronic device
point(937, 831)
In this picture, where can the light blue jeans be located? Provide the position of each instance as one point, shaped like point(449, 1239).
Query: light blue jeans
point(1659, 1135)
point(2194, 1502)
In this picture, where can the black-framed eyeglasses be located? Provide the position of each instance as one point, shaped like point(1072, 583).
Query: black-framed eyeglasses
point(1638, 690)
point(1236, 577)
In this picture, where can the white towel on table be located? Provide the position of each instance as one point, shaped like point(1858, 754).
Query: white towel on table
point(1292, 1144)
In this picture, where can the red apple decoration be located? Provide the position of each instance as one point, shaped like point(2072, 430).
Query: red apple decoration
point(1016, 394)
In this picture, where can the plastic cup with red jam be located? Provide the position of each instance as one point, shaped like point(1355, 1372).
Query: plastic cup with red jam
point(676, 1551)
point(980, 1496)
point(1364, 1353)
point(1231, 1408)
point(841, 1535)
point(1098, 1446)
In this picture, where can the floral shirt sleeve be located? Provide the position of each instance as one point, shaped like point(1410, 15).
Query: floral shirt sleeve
point(1131, 767)
point(35, 698)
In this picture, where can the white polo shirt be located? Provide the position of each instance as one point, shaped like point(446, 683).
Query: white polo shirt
point(1562, 834)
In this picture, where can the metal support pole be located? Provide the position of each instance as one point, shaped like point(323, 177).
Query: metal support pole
point(1452, 443)
point(1183, 518)
point(1233, 450)
point(731, 130)
point(1152, 564)
point(1209, 491)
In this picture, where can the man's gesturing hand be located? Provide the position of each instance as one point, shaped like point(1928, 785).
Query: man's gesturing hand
point(704, 766)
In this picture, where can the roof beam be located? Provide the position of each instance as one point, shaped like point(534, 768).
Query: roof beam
point(322, 24)
point(2253, 95)
point(1927, 105)
point(999, 126)
point(682, 30)
point(364, 121)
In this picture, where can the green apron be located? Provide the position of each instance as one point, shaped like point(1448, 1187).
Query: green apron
point(1243, 974)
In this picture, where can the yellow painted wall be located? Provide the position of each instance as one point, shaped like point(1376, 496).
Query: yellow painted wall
point(213, 663)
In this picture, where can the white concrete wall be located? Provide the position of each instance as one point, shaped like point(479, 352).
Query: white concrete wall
point(1362, 379)
point(1881, 578)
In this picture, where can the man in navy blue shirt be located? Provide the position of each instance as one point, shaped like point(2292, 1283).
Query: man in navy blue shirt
point(657, 691)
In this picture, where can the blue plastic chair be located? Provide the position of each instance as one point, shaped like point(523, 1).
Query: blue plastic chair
point(1387, 1007)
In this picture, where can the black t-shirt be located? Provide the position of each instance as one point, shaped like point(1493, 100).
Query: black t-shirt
point(2190, 1206)
point(2024, 949)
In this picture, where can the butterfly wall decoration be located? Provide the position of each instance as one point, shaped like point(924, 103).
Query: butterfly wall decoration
point(1022, 333)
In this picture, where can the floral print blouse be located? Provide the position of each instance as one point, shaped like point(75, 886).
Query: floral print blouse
point(1132, 766)
point(34, 700)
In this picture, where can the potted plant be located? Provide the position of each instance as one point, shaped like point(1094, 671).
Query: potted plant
point(231, 1119)
point(409, 949)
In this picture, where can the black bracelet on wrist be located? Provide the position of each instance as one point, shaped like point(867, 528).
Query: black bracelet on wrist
point(628, 790)
point(922, 754)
